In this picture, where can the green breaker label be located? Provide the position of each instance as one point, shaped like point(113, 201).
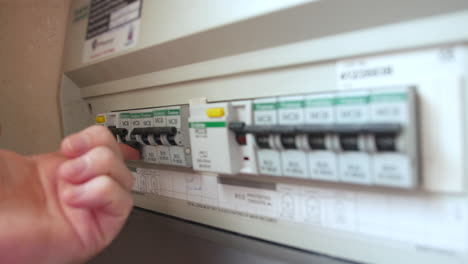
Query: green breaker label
point(166, 112)
point(207, 124)
point(135, 115)
point(265, 106)
point(389, 97)
point(140, 115)
point(160, 113)
point(147, 115)
point(320, 102)
point(352, 100)
point(125, 115)
point(291, 104)
point(173, 112)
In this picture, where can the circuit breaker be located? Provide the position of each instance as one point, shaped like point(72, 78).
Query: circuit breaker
point(161, 134)
point(365, 137)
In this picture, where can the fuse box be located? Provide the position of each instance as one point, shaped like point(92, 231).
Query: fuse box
point(345, 137)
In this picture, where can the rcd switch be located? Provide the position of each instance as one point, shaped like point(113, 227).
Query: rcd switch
point(214, 146)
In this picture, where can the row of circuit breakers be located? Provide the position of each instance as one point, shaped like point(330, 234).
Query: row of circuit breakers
point(362, 136)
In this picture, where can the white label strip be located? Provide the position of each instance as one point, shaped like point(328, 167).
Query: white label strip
point(436, 222)
point(402, 68)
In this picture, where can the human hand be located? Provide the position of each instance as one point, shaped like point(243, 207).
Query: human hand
point(64, 207)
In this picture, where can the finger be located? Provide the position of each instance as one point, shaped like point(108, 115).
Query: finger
point(94, 136)
point(129, 153)
point(101, 192)
point(106, 199)
point(98, 161)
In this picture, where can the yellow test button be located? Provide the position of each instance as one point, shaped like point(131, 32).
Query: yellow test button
point(215, 112)
point(100, 119)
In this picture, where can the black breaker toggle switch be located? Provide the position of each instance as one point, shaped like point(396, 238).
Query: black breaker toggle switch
point(121, 133)
point(156, 132)
point(317, 141)
point(349, 141)
point(263, 141)
point(386, 141)
point(349, 135)
point(288, 141)
point(143, 133)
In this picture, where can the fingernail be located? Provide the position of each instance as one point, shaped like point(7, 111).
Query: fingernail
point(73, 167)
point(77, 143)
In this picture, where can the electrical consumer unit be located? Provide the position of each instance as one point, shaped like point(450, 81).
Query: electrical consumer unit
point(336, 127)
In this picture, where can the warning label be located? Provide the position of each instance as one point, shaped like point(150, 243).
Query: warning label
point(113, 26)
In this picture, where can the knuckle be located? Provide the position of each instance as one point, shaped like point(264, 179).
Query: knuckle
point(105, 185)
point(97, 129)
point(102, 133)
point(105, 156)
